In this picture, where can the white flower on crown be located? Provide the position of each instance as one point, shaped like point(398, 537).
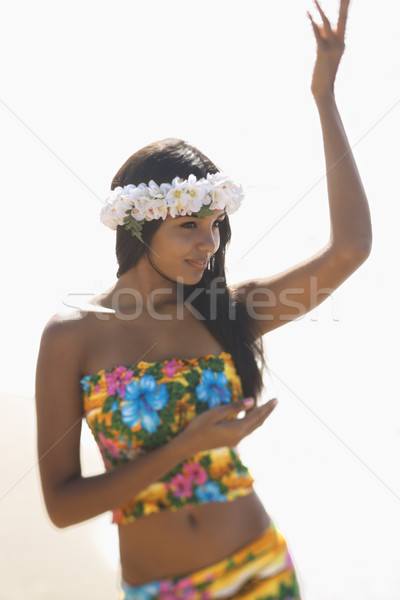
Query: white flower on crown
point(186, 196)
point(181, 197)
point(118, 202)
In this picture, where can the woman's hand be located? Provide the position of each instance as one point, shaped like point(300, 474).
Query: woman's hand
point(330, 48)
point(219, 427)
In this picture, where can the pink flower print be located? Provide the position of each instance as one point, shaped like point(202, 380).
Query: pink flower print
point(117, 380)
point(182, 589)
point(195, 472)
point(117, 515)
point(110, 446)
point(181, 486)
point(106, 462)
point(289, 562)
point(171, 368)
point(97, 388)
point(166, 590)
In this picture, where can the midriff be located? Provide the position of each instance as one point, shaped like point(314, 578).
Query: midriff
point(170, 543)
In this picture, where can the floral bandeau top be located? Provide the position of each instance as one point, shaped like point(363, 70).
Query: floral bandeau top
point(133, 409)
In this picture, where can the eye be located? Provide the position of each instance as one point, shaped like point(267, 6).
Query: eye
point(218, 223)
point(188, 224)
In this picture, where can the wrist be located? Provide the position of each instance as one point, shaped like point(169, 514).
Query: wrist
point(180, 447)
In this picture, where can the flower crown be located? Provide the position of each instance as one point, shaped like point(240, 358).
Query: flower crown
point(131, 205)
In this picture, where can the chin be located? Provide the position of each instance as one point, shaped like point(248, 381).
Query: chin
point(190, 279)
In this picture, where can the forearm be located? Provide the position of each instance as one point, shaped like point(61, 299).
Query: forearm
point(86, 497)
point(348, 205)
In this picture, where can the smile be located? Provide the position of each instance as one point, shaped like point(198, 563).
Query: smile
point(198, 264)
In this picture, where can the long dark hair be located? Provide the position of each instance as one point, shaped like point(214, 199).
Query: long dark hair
point(231, 324)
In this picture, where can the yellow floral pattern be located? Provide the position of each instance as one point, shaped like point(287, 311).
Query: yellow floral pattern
point(261, 570)
point(134, 409)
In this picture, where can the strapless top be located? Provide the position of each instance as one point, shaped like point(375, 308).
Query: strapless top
point(134, 409)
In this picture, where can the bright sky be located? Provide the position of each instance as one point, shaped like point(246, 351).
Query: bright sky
point(86, 84)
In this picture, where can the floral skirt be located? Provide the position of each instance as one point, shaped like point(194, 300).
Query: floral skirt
point(262, 570)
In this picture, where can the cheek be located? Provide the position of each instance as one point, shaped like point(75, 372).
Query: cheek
point(169, 246)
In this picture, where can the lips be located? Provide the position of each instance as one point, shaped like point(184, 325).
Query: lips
point(199, 263)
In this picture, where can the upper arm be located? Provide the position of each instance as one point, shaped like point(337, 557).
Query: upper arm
point(58, 408)
point(288, 295)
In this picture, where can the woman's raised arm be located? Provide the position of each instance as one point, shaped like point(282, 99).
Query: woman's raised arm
point(348, 206)
point(278, 299)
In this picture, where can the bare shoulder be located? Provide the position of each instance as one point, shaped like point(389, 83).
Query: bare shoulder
point(68, 320)
point(67, 330)
point(60, 355)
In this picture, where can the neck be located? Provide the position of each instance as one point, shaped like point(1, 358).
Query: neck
point(141, 286)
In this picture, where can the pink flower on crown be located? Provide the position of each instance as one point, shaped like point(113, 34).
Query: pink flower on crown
point(117, 380)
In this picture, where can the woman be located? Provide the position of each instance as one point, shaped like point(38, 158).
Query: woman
point(164, 361)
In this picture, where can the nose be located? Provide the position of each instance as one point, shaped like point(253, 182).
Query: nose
point(209, 241)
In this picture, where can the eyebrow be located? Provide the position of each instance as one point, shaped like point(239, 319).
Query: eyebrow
point(193, 215)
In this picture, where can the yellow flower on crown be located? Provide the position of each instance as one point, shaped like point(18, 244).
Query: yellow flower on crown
point(132, 205)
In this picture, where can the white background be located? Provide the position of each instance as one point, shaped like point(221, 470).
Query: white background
point(86, 84)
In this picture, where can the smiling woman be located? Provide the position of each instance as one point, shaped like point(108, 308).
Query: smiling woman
point(190, 242)
point(170, 244)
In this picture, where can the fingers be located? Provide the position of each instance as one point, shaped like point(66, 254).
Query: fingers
point(324, 18)
point(224, 416)
point(315, 27)
point(256, 417)
point(221, 413)
point(264, 413)
point(218, 426)
point(343, 12)
point(329, 34)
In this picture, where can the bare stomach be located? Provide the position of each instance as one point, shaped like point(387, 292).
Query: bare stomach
point(172, 543)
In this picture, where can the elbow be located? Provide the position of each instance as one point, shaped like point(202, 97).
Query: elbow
point(357, 257)
point(58, 512)
point(365, 247)
point(65, 507)
point(355, 254)
point(58, 517)
point(59, 520)
point(365, 250)
point(361, 253)
point(59, 524)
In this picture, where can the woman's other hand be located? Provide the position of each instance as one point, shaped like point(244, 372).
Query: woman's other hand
point(330, 48)
point(219, 426)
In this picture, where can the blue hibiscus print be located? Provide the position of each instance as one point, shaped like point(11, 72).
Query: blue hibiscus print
point(148, 591)
point(114, 405)
point(213, 389)
point(85, 383)
point(209, 492)
point(143, 399)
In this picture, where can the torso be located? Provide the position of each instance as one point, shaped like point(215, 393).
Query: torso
point(168, 543)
